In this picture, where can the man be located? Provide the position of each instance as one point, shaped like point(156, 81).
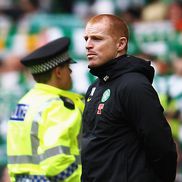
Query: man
point(42, 136)
point(126, 137)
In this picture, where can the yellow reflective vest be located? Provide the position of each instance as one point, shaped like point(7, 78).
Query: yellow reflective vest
point(43, 135)
point(171, 107)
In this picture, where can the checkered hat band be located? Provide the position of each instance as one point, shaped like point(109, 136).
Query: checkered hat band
point(49, 64)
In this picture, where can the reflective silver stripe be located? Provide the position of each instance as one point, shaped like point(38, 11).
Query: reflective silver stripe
point(35, 126)
point(54, 151)
point(36, 159)
point(77, 159)
point(34, 134)
point(23, 159)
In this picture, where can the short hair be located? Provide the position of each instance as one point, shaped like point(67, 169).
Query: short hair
point(117, 25)
point(43, 77)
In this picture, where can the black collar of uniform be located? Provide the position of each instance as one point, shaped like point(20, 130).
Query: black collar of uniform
point(105, 72)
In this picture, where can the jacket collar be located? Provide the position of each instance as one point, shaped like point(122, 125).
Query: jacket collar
point(122, 65)
point(106, 72)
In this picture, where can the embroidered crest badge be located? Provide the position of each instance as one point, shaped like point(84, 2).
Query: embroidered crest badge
point(106, 95)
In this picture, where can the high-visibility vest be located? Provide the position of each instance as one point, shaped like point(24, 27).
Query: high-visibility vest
point(43, 132)
point(170, 105)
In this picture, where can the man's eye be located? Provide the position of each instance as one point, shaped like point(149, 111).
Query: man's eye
point(86, 38)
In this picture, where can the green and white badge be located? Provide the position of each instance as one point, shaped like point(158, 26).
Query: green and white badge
point(106, 95)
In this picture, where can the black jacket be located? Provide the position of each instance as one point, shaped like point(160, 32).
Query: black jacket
point(126, 137)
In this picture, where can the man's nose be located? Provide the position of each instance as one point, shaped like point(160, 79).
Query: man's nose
point(89, 44)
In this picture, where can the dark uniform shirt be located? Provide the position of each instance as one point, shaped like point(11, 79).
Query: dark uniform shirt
point(126, 137)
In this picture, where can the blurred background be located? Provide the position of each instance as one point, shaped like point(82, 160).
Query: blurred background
point(155, 34)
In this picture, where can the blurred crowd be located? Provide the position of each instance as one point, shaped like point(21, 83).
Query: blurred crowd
point(155, 34)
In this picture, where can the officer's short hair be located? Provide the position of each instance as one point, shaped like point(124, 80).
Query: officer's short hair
point(42, 77)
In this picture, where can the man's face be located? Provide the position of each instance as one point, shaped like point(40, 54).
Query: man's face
point(101, 45)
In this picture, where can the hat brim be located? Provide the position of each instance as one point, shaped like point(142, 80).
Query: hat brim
point(71, 61)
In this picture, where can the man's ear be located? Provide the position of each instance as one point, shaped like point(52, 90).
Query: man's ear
point(122, 43)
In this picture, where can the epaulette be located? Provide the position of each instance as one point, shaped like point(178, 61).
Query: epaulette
point(68, 103)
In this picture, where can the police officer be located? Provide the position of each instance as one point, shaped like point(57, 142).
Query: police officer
point(43, 130)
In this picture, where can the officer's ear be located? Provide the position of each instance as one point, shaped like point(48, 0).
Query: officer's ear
point(58, 72)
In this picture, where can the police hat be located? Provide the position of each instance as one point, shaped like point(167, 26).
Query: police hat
point(48, 56)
